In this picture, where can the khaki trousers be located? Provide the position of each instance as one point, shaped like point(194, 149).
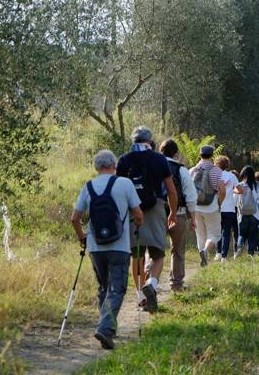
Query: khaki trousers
point(178, 242)
point(208, 228)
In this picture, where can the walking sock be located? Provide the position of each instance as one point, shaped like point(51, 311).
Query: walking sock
point(153, 281)
point(141, 295)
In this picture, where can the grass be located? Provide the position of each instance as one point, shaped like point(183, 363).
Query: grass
point(211, 329)
point(38, 288)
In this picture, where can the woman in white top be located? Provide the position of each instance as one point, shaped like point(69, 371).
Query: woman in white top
point(227, 208)
point(248, 224)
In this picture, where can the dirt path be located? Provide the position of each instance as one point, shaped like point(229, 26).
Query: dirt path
point(39, 347)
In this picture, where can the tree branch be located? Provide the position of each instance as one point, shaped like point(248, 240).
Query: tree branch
point(98, 119)
point(107, 106)
point(140, 83)
point(123, 102)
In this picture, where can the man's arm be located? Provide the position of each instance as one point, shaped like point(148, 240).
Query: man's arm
point(76, 219)
point(172, 200)
point(218, 183)
point(238, 189)
point(138, 216)
point(190, 194)
point(221, 191)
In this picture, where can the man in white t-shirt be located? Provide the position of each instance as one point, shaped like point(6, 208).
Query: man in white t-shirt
point(228, 207)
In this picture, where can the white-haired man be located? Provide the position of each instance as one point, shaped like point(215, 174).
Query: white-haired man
point(110, 261)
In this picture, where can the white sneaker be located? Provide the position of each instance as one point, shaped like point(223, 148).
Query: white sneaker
point(218, 257)
point(237, 253)
point(223, 260)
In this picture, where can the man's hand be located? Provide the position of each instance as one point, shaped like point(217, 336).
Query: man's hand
point(192, 224)
point(83, 242)
point(137, 216)
point(172, 220)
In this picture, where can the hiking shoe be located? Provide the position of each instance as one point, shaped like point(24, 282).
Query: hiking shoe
point(150, 295)
point(106, 341)
point(203, 256)
point(218, 257)
point(142, 305)
point(237, 253)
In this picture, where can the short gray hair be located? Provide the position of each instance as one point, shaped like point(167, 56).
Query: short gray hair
point(104, 159)
point(141, 134)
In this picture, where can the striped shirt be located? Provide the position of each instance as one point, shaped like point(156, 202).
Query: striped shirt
point(215, 178)
point(215, 172)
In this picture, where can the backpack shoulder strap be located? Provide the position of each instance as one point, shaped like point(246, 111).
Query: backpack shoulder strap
point(108, 189)
point(110, 184)
point(175, 164)
point(91, 189)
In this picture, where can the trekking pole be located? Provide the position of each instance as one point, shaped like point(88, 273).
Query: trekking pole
point(70, 300)
point(139, 287)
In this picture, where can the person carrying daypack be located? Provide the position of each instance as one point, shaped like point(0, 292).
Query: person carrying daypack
point(107, 200)
point(205, 191)
point(105, 220)
point(227, 209)
point(247, 211)
point(211, 192)
point(187, 197)
point(146, 167)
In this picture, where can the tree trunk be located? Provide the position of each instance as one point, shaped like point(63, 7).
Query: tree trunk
point(163, 108)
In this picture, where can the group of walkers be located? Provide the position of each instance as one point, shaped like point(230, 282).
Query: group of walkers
point(155, 195)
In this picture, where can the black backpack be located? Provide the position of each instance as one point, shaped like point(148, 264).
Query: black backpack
point(105, 220)
point(140, 174)
point(175, 171)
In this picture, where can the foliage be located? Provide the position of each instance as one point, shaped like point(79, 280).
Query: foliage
point(190, 148)
point(22, 140)
point(193, 62)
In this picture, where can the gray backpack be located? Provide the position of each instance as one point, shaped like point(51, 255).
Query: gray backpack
point(246, 202)
point(201, 179)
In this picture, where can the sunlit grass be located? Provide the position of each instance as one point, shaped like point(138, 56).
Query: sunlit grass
point(38, 288)
point(211, 329)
